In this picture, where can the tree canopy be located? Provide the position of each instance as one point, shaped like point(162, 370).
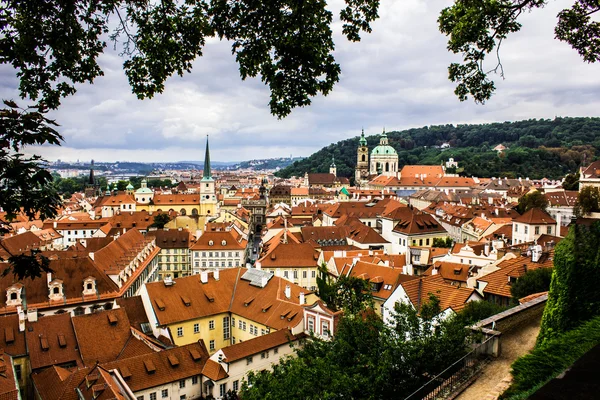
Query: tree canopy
point(531, 200)
point(477, 28)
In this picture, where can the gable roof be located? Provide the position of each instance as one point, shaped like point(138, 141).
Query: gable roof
point(257, 345)
point(418, 291)
point(51, 341)
point(536, 216)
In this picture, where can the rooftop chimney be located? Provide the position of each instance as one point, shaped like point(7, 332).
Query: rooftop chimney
point(216, 274)
point(302, 300)
point(204, 277)
point(288, 291)
point(32, 315)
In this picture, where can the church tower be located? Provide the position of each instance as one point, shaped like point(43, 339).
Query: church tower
point(332, 167)
point(361, 172)
point(208, 198)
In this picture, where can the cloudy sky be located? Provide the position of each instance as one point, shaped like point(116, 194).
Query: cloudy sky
point(395, 77)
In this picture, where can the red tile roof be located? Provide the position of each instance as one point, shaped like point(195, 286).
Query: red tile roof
point(535, 216)
point(51, 341)
point(257, 345)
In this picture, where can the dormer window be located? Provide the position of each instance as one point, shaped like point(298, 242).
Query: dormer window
point(210, 243)
point(223, 242)
point(89, 286)
point(56, 290)
point(13, 295)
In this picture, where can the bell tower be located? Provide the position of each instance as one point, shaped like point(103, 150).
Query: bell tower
point(332, 167)
point(362, 160)
point(208, 198)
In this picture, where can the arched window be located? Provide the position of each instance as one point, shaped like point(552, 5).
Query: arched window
point(56, 290)
point(182, 211)
point(387, 167)
point(363, 158)
point(13, 296)
point(195, 211)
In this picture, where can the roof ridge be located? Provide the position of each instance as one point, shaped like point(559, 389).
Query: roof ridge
point(234, 289)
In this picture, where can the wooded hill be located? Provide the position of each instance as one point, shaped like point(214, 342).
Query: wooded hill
point(536, 148)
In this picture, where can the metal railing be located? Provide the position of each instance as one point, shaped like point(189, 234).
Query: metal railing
point(455, 375)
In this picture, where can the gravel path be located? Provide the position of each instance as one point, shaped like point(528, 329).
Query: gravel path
point(513, 345)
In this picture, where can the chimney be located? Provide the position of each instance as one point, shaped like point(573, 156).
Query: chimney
point(288, 291)
point(216, 274)
point(433, 272)
point(404, 270)
point(21, 319)
point(558, 224)
point(536, 253)
point(204, 277)
point(91, 254)
point(302, 300)
point(49, 277)
point(55, 224)
point(32, 315)
point(486, 249)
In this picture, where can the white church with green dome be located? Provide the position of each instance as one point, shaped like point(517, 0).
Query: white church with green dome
point(384, 158)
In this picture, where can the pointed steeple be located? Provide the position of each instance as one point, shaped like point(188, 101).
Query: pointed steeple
point(332, 161)
point(92, 180)
point(363, 140)
point(206, 174)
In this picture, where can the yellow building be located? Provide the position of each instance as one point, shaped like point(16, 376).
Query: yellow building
point(223, 307)
point(174, 256)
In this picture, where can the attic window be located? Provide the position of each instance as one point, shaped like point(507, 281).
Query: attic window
point(210, 243)
point(248, 301)
point(186, 301)
point(209, 297)
point(273, 256)
point(173, 361)
point(160, 304)
point(62, 342)
point(112, 319)
point(387, 287)
point(150, 368)
point(266, 308)
point(125, 373)
point(195, 355)
point(223, 242)
point(44, 343)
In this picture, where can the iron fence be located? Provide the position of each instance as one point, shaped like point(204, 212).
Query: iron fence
point(458, 373)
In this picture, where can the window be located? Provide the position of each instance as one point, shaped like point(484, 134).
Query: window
point(295, 274)
point(222, 389)
point(526, 229)
point(211, 324)
point(226, 328)
point(262, 331)
point(304, 274)
point(195, 380)
point(153, 396)
point(18, 371)
point(313, 273)
point(212, 345)
point(244, 326)
point(140, 398)
point(165, 393)
point(240, 324)
point(203, 254)
point(285, 274)
point(276, 350)
point(182, 384)
point(311, 324)
point(325, 328)
point(549, 231)
point(263, 355)
point(537, 230)
point(180, 331)
point(196, 328)
point(229, 254)
point(232, 322)
point(236, 386)
point(427, 242)
point(420, 242)
point(248, 360)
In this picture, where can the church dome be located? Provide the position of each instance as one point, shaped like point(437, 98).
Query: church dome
point(383, 149)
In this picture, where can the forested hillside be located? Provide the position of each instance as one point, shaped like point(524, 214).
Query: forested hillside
point(537, 148)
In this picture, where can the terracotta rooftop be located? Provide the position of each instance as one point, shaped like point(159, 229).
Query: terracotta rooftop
point(450, 271)
point(382, 279)
point(257, 345)
point(219, 240)
point(171, 238)
point(11, 339)
point(535, 216)
point(292, 254)
point(450, 296)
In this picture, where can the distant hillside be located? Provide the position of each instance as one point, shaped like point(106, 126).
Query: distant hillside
point(537, 148)
point(265, 164)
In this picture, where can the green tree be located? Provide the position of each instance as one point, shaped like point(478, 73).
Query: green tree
point(571, 182)
point(588, 200)
point(532, 200)
point(122, 185)
point(573, 296)
point(347, 293)
point(160, 220)
point(439, 242)
point(366, 359)
point(477, 28)
point(534, 281)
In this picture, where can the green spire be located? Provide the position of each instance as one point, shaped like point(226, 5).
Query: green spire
point(363, 140)
point(206, 174)
point(332, 161)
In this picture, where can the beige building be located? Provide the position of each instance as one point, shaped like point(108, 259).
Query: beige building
point(174, 257)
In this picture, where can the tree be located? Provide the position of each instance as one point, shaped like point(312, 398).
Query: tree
point(534, 281)
point(439, 242)
point(571, 182)
point(160, 220)
point(588, 200)
point(366, 359)
point(477, 28)
point(532, 200)
point(573, 296)
point(348, 293)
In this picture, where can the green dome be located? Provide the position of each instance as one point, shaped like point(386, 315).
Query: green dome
point(143, 190)
point(129, 187)
point(383, 149)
